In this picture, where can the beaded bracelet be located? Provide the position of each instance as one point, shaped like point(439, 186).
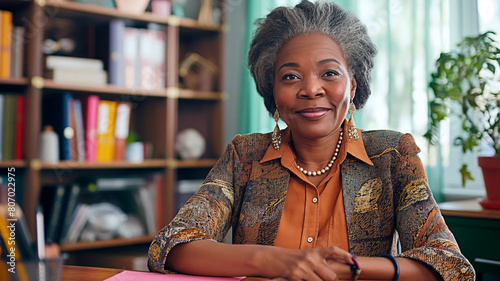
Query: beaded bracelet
point(356, 270)
point(396, 266)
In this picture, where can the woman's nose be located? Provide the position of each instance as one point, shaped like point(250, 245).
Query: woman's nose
point(312, 88)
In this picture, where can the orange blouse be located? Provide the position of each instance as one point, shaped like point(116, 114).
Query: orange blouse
point(309, 218)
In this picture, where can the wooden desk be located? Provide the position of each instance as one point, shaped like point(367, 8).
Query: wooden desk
point(85, 273)
point(477, 232)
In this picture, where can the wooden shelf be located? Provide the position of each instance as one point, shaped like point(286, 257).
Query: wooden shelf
point(107, 89)
point(106, 243)
point(77, 10)
point(202, 163)
point(111, 89)
point(14, 81)
point(13, 163)
point(188, 23)
point(154, 163)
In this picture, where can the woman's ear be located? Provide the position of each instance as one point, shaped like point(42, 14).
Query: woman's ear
point(353, 87)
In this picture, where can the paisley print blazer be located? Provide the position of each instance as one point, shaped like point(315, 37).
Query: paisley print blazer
point(383, 202)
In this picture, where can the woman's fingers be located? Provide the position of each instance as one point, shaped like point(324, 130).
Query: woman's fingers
point(325, 272)
point(337, 254)
point(312, 265)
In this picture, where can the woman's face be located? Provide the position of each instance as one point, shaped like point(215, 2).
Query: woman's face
point(312, 88)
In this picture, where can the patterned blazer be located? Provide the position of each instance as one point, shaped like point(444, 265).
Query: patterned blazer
point(383, 202)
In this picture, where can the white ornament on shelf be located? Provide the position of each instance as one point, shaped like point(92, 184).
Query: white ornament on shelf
point(190, 144)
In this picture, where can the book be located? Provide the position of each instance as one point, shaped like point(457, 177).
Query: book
point(159, 58)
point(67, 131)
point(17, 51)
point(72, 124)
point(145, 209)
point(20, 127)
point(79, 130)
point(2, 98)
point(90, 107)
point(9, 126)
point(116, 49)
point(156, 186)
point(5, 43)
point(147, 59)
point(78, 221)
point(56, 212)
point(73, 63)
point(159, 61)
point(56, 110)
point(71, 203)
point(130, 57)
point(94, 77)
point(122, 128)
point(106, 131)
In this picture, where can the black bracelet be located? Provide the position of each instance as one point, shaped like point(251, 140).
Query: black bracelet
point(396, 266)
point(356, 270)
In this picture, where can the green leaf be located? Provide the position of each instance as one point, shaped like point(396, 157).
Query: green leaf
point(466, 175)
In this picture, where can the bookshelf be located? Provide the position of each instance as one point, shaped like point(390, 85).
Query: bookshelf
point(157, 114)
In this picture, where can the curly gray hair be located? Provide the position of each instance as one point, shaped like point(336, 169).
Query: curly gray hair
point(330, 19)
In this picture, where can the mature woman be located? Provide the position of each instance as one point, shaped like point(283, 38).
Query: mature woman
point(320, 200)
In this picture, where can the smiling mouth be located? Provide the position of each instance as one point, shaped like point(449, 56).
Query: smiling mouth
point(313, 113)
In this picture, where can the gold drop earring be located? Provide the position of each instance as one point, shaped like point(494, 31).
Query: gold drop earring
point(276, 136)
point(351, 125)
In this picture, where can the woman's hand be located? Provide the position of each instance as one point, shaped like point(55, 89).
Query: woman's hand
point(205, 257)
point(310, 264)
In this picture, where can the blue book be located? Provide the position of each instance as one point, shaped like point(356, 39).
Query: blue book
point(116, 56)
point(56, 113)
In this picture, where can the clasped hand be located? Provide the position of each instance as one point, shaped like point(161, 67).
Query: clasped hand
point(313, 264)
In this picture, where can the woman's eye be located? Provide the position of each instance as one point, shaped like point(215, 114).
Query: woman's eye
point(331, 73)
point(290, 77)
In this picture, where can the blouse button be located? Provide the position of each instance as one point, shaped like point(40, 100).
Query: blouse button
point(315, 200)
point(310, 239)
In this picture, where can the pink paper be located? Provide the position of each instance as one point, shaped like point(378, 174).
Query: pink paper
point(153, 276)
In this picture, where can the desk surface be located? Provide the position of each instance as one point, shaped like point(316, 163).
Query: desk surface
point(84, 273)
point(468, 208)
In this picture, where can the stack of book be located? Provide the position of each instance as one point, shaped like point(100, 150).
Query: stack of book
point(75, 70)
point(11, 47)
point(12, 124)
point(89, 129)
point(136, 56)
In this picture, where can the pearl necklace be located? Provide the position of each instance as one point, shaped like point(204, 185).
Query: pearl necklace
point(330, 164)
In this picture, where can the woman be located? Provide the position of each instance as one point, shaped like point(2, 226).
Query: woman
point(303, 201)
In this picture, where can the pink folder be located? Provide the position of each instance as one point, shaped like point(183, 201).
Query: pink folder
point(153, 276)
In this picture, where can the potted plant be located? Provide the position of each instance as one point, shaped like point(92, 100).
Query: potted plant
point(466, 84)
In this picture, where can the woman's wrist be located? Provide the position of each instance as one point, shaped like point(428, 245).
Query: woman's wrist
point(396, 265)
point(375, 268)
